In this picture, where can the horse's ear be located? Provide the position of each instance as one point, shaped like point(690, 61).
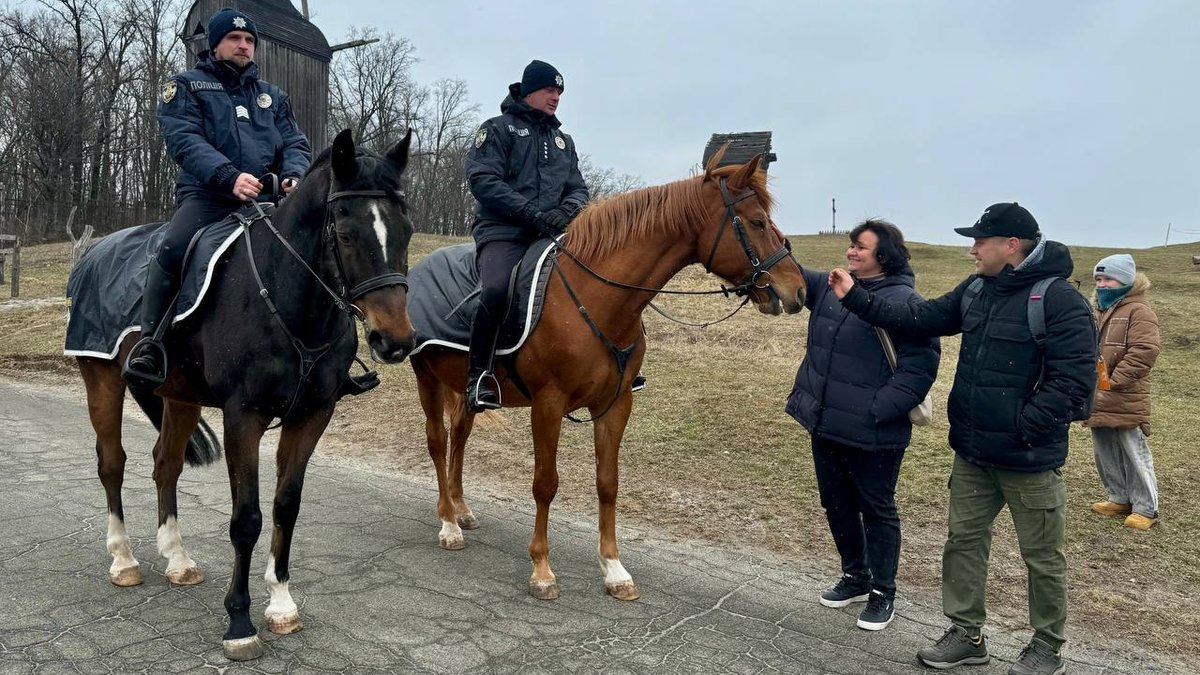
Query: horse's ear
point(741, 179)
point(398, 155)
point(715, 161)
point(345, 167)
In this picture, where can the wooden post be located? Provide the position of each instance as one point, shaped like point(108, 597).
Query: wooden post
point(16, 272)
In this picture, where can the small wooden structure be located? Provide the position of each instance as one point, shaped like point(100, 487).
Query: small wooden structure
point(1196, 260)
point(291, 53)
point(743, 147)
point(10, 245)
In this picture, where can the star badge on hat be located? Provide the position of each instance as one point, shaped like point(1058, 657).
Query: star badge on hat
point(264, 100)
point(168, 91)
point(239, 22)
point(558, 80)
point(480, 138)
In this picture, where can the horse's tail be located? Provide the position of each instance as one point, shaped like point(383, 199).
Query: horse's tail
point(203, 447)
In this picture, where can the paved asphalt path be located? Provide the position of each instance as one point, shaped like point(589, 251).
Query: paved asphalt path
point(378, 595)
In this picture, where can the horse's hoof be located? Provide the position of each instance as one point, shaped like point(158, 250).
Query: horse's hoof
point(545, 589)
point(452, 542)
point(285, 623)
point(243, 649)
point(130, 576)
point(189, 576)
point(625, 590)
point(468, 522)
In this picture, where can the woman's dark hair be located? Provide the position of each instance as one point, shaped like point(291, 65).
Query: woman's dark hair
point(890, 252)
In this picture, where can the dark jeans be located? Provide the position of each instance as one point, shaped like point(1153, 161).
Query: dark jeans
point(191, 214)
point(858, 492)
point(496, 260)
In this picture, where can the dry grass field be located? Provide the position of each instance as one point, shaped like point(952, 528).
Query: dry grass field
point(710, 453)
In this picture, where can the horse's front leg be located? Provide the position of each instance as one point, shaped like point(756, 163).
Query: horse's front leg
point(243, 432)
point(608, 432)
point(105, 398)
point(433, 394)
point(546, 421)
point(179, 421)
point(296, 445)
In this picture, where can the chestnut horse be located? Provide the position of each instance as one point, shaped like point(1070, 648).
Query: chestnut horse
point(272, 340)
point(632, 245)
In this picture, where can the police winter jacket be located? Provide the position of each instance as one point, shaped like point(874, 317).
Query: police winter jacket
point(219, 122)
point(1130, 343)
point(845, 389)
point(521, 164)
point(1011, 402)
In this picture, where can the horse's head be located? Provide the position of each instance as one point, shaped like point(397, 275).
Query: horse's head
point(753, 253)
point(369, 230)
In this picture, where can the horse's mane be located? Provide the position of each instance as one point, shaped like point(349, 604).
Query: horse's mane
point(608, 224)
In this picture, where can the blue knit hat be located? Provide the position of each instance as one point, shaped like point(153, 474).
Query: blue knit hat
point(226, 21)
point(539, 75)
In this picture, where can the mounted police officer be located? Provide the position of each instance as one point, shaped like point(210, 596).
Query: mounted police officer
point(223, 126)
point(524, 173)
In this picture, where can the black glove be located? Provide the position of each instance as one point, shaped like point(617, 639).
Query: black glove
point(552, 222)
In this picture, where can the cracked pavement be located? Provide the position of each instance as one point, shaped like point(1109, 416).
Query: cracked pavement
point(377, 595)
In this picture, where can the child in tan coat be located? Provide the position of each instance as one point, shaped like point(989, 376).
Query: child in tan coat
point(1120, 421)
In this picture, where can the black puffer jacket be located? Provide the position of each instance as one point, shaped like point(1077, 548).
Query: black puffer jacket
point(521, 164)
point(1007, 409)
point(845, 390)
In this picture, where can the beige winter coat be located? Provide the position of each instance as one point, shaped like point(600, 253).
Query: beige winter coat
point(1130, 343)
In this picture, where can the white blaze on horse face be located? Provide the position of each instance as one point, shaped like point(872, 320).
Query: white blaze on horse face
point(380, 230)
point(170, 546)
point(281, 603)
point(118, 545)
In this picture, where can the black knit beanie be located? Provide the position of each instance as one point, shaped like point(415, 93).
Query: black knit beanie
point(226, 21)
point(538, 75)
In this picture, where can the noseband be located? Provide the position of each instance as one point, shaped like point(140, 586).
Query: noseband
point(760, 277)
point(375, 282)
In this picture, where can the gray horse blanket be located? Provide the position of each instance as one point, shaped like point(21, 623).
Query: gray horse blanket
point(443, 293)
point(104, 291)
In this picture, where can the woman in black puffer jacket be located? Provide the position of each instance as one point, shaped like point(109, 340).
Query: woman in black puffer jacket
point(856, 410)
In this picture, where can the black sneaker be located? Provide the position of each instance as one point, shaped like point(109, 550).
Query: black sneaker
point(878, 613)
point(1038, 658)
point(955, 648)
point(638, 384)
point(848, 590)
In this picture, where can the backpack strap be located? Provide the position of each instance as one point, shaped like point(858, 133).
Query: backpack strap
point(969, 295)
point(1036, 310)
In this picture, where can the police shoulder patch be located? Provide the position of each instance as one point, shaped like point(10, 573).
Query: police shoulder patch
point(562, 144)
point(264, 100)
point(168, 91)
point(480, 137)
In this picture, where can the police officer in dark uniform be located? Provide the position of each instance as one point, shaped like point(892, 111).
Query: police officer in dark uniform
point(223, 126)
point(524, 173)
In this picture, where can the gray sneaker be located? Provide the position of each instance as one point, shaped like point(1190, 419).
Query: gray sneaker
point(1038, 658)
point(954, 649)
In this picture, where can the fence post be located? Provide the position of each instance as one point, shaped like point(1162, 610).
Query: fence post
point(16, 269)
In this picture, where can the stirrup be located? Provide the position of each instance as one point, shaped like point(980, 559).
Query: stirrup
point(477, 405)
point(147, 378)
point(638, 384)
point(359, 384)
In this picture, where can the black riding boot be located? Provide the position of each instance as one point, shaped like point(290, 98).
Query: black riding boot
point(483, 391)
point(147, 362)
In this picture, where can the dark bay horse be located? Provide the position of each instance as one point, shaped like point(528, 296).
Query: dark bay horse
point(639, 240)
point(274, 338)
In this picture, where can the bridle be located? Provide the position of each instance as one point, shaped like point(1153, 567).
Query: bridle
point(342, 298)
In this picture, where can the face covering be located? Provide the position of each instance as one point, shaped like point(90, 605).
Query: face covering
point(1107, 297)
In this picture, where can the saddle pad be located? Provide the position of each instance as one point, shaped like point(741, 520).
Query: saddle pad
point(104, 291)
point(439, 284)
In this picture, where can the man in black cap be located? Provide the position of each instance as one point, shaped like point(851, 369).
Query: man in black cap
point(1026, 369)
point(224, 127)
point(524, 173)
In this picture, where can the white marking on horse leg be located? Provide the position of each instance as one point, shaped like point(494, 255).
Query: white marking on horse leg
point(451, 536)
point(124, 569)
point(181, 569)
point(380, 230)
point(282, 615)
point(614, 572)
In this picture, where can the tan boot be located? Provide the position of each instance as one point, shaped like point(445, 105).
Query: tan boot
point(1112, 508)
point(1139, 522)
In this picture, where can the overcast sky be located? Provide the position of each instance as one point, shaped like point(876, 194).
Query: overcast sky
point(1087, 113)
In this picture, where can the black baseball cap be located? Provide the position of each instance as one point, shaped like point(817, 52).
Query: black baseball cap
point(1006, 219)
